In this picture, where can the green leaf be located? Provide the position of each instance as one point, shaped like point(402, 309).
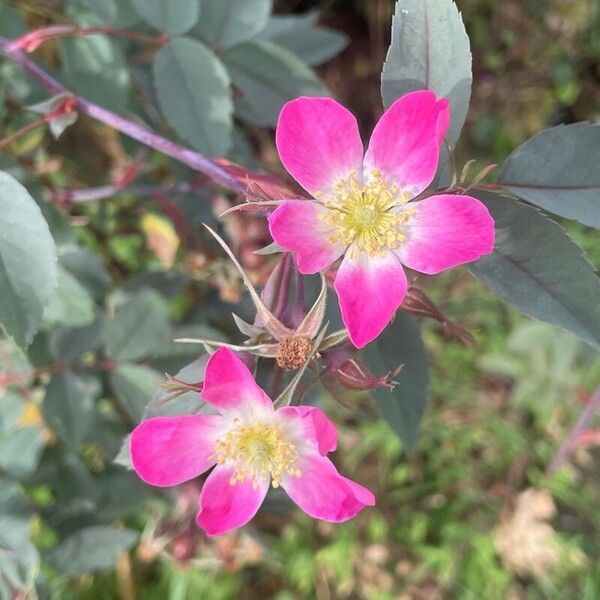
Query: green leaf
point(69, 344)
point(404, 406)
point(95, 67)
point(28, 262)
point(267, 76)
point(429, 50)
point(20, 446)
point(106, 10)
point(87, 267)
point(300, 35)
point(558, 170)
point(173, 356)
point(91, 549)
point(134, 386)
point(192, 86)
point(139, 326)
point(225, 23)
point(538, 268)
point(11, 23)
point(71, 304)
point(20, 450)
point(173, 16)
point(69, 405)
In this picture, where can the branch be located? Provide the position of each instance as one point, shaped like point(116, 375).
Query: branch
point(141, 133)
point(102, 192)
point(35, 38)
point(569, 444)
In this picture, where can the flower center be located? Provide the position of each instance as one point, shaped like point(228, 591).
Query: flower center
point(361, 214)
point(292, 352)
point(258, 451)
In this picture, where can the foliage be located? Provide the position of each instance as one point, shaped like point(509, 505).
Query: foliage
point(90, 306)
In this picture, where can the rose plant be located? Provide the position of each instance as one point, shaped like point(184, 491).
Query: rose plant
point(339, 250)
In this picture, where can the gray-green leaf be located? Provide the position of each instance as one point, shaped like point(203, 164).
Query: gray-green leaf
point(225, 23)
point(192, 86)
point(404, 406)
point(91, 549)
point(139, 326)
point(28, 262)
point(559, 171)
point(429, 50)
point(95, 67)
point(173, 16)
point(134, 386)
point(267, 76)
point(71, 304)
point(300, 35)
point(69, 405)
point(20, 450)
point(538, 268)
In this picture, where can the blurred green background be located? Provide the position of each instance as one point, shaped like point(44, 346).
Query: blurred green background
point(473, 513)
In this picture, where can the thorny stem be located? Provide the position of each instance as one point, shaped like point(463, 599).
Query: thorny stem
point(141, 133)
point(568, 445)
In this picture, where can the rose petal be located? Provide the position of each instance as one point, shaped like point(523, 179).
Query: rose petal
point(318, 142)
point(298, 226)
point(446, 231)
point(370, 289)
point(167, 451)
point(323, 493)
point(314, 426)
point(229, 385)
point(405, 144)
point(224, 506)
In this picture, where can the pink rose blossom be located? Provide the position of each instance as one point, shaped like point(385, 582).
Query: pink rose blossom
point(252, 445)
point(361, 207)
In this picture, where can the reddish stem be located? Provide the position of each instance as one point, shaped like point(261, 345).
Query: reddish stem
point(141, 133)
point(102, 192)
point(9, 139)
point(35, 38)
point(569, 444)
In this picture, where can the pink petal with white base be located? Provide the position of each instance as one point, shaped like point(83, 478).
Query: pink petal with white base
point(224, 506)
point(230, 387)
point(167, 451)
point(314, 426)
point(323, 493)
point(405, 144)
point(446, 231)
point(318, 142)
point(298, 226)
point(370, 289)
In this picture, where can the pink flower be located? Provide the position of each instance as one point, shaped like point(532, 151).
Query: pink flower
point(361, 207)
point(252, 445)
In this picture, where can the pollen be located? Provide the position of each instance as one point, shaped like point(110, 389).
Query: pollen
point(259, 451)
point(361, 213)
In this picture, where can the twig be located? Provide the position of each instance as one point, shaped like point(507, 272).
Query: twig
point(21, 132)
point(102, 192)
point(35, 38)
point(141, 133)
point(569, 444)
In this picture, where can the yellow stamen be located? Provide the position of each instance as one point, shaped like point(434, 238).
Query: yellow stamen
point(361, 214)
point(258, 451)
